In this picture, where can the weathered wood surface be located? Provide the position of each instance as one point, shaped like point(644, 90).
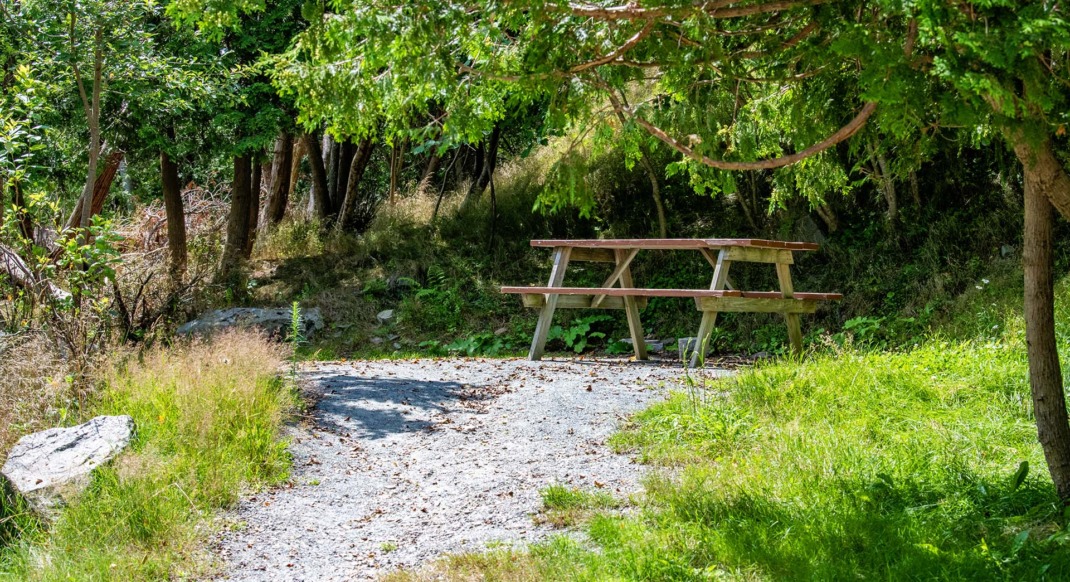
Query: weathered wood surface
point(751, 305)
point(676, 243)
point(542, 329)
point(622, 292)
point(538, 300)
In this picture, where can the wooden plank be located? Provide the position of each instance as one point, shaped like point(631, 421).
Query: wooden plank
point(623, 292)
point(797, 295)
point(787, 289)
point(759, 255)
point(676, 243)
point(593, 255)
point(631, 309)
point(752, 305)
point(623, 258)
point(538, 300)
point(542, 328)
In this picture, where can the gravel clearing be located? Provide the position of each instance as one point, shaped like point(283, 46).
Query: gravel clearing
point(409, 460)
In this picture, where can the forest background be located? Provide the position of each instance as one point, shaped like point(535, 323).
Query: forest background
point(160, 159)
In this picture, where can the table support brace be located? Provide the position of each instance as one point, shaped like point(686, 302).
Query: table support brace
point(557, 276)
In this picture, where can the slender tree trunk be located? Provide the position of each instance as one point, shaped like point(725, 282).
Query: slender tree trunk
point(433, 161)
point(345, 161)
point(490, 161)
point(279, 184)
point(23, 218)
point(254, 209)
point(237, 220)
point(333, 154)
point(1045, 182)
point(347, 216)
point(915, 192)
point(93, 118)
point(320, 203)
point(655, 192)
point(176, 216)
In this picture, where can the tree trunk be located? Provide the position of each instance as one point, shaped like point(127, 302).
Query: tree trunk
point(254, 209)
point(828, 215)
point(101, 187)
point(489, 162)
point(297, 154)
point(345, 161)
point(237, 220)
point(320, 203)
point(279, 184)
point(348, 215)
point(433, 161)
point(1045, 181)
point(915, 192)
point(22, 214)
point(333, 155)
point(176, 216)
point(655, 192)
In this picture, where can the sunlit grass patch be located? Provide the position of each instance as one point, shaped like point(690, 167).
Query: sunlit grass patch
point(208, 417)
point(567, 506)
point(855, 464)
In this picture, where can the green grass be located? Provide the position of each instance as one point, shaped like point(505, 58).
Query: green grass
point(208, 419)
point(850, 465)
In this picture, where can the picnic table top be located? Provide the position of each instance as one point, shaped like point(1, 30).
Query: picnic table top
point(676, 243)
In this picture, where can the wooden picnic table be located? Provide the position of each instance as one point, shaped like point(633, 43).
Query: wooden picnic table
point(720, 253)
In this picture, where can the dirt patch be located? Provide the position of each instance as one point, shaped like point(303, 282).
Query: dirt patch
point(408, 460)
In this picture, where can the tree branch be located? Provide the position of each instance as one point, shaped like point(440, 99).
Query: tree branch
point(840, 135)
point(619, 51)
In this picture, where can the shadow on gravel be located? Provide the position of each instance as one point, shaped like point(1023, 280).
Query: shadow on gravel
point(375, 407)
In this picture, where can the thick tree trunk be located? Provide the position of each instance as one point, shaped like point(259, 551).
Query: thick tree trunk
point(101, 187)
point(320, 204)
point(348, 215)
point(176, 216)
point(279, 184)
point(237, 220)
point(489, 162)
point(254, 209)
point(1045, 182)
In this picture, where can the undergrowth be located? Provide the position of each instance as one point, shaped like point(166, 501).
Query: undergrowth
point(208, 417)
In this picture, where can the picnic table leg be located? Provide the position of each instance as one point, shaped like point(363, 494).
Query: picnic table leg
point(631, 307)
point(557, 276)
point(709, 318)
point(783, 274)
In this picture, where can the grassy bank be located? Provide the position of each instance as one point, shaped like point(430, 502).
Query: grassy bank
point(208, 417)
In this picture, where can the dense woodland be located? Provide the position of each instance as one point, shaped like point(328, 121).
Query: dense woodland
point(159, 159)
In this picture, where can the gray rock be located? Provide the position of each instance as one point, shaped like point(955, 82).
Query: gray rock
point(275, 321)
point(686, 346)
point(47, 468)
point(655, 346)
point(385, 315)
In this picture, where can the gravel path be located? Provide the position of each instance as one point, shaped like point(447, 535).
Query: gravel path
point(408, 460)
